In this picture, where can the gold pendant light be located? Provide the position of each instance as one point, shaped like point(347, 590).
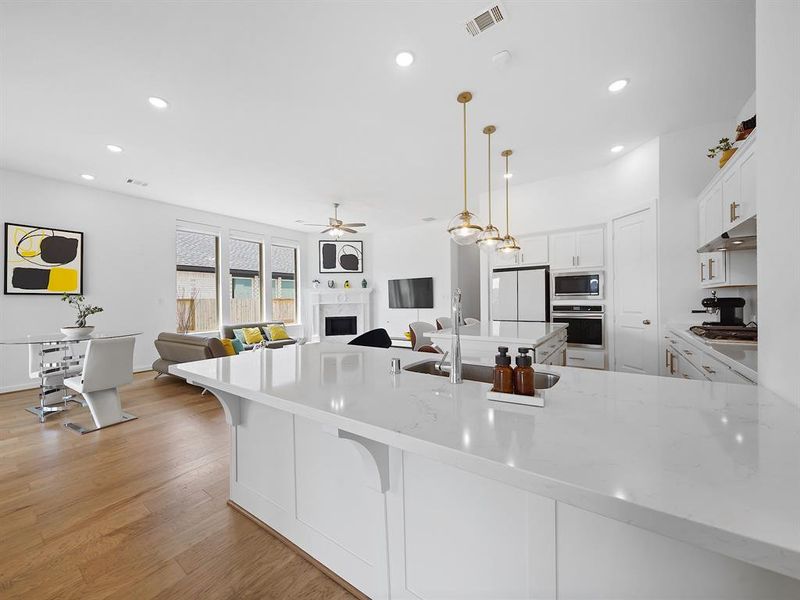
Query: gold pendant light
point(490, 237)
point(462, 228)
point(509, 244)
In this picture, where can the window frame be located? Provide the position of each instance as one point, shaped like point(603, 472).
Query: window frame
point(216, 233)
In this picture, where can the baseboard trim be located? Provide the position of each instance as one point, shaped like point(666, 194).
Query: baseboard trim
point(342, 582)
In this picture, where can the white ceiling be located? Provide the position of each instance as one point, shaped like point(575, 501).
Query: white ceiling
point(278, 109)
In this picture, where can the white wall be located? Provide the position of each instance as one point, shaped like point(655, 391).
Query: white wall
point(585, 198)
point(129, 262)
point(684, 171)
point(418, 251)
point(778, 86)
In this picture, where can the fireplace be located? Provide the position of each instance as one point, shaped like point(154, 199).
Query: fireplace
point(341, 325)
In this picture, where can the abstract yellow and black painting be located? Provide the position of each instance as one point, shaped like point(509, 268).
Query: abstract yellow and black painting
point(43, 260)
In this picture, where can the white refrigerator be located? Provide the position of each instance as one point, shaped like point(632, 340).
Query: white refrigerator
point(520, 294)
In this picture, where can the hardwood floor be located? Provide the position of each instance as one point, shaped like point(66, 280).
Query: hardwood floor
point(138, 510)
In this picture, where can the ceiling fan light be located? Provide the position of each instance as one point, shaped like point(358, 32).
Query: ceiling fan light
point(336, 232)
point(463, 231)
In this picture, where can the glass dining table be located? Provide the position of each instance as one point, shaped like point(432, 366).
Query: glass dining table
point(58, 357)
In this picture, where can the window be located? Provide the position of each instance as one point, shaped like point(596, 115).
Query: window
point(197, 286)
point(246, 276)
point(284, 296)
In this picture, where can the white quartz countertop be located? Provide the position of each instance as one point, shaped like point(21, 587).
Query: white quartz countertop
point(716, 465)
point(740, 356)
point(516, 333)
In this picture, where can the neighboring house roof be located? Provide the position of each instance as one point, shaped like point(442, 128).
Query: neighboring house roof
point(197, 251)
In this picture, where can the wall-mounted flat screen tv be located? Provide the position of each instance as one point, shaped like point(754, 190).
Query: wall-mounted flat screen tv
point(411, 293)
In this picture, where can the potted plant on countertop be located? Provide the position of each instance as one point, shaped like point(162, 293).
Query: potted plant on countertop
point(84, 310)
point(725, 148)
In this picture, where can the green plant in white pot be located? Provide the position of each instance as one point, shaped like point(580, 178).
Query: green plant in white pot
point(84, 310)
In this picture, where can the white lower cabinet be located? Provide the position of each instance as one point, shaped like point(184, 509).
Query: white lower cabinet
point(587, 358)
point(685, 361)
point(399, 525)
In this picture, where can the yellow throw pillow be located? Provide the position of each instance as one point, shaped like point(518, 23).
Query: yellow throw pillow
point(252, 335)
point(278, 332)
point(228, 345)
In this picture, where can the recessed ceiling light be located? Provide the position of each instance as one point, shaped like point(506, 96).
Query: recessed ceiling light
point(508, 175)
point(114, 148)
point(88, 177)
point(617, 149)
point(158, 102)
point(404, 59)
point(618, 85)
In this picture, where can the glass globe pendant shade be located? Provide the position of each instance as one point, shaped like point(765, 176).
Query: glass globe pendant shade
point(463, 230)
point(509, 245)
point(336, 232)
point(490, 238)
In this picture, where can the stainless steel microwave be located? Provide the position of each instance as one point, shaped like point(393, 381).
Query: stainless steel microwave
point(578, 285)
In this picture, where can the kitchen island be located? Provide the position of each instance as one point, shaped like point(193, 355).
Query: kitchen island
point(622, 486)
point(548, 341)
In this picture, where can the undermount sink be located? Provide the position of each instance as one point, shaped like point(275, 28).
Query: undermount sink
point(483, 373)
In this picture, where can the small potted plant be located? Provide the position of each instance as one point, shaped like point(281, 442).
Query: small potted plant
point(725, 148)
point(84, 310)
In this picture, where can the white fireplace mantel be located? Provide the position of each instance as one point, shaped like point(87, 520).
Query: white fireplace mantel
point(340, 302)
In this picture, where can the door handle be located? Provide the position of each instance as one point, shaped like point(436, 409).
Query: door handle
point(646, 322)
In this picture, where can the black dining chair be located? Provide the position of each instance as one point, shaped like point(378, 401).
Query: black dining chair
point(376, 338)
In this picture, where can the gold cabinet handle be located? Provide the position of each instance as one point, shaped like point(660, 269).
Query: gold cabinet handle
point(666, 358)
point(734, 216)
point(671, 364)
point(702, 272)
point(709, 369)
point(710, 269)
point(688, 352)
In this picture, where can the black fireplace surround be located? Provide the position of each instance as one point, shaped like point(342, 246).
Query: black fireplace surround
point(340, 325)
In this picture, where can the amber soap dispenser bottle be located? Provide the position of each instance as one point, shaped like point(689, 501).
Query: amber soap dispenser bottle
point(503, 374)
point(523, 374)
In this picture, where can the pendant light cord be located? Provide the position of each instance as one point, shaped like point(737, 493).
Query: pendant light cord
point(506, 195)
point(490, 180)
point(465, 156)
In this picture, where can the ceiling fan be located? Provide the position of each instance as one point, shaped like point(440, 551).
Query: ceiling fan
point(335, 227)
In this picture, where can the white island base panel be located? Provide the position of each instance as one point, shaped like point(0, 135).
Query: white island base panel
point(398, 525)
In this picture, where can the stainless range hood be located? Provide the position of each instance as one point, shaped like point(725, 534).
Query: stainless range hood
point(741, 237)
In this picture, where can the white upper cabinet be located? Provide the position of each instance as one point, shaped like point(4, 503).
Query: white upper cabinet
point(590, 248)
point(579, 250)
point(534, 250)
point(712, 214)
point(747, 169)
point(730, 198)
point(562, 250)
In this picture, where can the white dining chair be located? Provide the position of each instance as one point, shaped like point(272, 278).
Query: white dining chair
point(444, 323)
point(471, 321)
point(417, 329)
point(108, 365)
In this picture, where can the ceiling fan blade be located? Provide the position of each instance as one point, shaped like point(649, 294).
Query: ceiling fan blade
point(343, 228)
point(354, 224)
point(314, 224)
point(326, 230)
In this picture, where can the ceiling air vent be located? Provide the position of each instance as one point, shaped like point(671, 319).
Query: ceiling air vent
point(491, 16)
point(138, 182)
point(428, 219)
